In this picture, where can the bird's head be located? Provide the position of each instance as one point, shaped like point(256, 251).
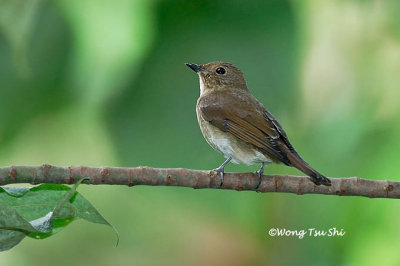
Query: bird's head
point(219, 76)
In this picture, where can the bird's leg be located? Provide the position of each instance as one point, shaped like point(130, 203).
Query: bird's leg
point(260, 174)
point(220, 169)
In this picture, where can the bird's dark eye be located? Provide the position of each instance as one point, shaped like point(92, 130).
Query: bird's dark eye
point(220, 70)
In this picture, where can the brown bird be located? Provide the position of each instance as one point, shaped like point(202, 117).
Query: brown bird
point(237, 125)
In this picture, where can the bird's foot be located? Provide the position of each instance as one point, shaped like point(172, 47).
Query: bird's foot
point(220, 170)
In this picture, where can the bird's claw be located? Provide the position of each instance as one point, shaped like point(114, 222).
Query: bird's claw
point(259, 179)
point(221, 173)
point(260, 174)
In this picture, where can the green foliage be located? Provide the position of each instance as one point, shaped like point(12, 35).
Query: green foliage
point(41, 211)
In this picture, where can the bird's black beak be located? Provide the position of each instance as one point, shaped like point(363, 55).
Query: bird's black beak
point(195, 67)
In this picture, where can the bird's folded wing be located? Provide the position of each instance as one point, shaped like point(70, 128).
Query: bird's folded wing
point(251, 126)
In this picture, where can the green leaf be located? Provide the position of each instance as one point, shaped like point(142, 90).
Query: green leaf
point(9, 239)
point(63, 208)
point(41, 211)
point(10, 219)
point(16, 191)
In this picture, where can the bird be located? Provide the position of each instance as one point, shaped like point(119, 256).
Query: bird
point(237, 125)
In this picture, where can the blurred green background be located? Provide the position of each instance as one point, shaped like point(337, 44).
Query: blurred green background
point(103, 83)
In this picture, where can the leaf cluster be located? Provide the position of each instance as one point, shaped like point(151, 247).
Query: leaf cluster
point(41, 211)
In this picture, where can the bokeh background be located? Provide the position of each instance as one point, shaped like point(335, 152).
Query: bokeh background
point(104, 83)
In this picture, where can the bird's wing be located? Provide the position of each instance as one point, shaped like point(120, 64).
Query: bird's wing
point(245, 118)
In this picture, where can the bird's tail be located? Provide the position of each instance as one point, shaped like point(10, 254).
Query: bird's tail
point(300, 164)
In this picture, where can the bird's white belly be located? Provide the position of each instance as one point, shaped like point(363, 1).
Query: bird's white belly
point(230, 146)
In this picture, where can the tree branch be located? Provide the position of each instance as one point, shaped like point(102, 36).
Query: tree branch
point(352, 186)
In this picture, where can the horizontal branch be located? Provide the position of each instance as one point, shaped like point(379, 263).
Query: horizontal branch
point(352, 186)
